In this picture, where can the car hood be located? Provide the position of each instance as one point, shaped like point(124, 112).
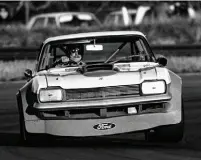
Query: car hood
point(69, 78)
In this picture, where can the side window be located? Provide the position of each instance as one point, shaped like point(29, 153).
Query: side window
point(116, 20)
point(60, 52)
point(139, 46)
point(39, 51)
point(110, 20)
point(44, 57)
point(39, 22)
point(142, 50)
point(51, 22)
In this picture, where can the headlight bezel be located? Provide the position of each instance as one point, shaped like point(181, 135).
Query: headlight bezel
point(49, 89)
point(149, 81)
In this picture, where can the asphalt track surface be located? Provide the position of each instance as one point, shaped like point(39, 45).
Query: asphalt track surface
point(123, 147)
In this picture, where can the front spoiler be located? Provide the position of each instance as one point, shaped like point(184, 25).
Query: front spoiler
point(84, 128)
point(103, 102)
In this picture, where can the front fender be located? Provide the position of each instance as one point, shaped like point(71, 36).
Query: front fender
point(27, 95)
point(176, 91)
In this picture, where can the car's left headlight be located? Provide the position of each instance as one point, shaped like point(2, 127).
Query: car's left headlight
point(153, 87)
point(50, 95)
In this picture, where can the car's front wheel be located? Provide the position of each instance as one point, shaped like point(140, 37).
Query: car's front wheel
point(169, 133)
point(30, 138)
point(25, 137)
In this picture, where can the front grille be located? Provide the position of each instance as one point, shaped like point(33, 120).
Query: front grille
point(106, 112)
point(102, 92)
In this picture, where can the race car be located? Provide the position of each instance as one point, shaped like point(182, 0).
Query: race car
point(98, 84)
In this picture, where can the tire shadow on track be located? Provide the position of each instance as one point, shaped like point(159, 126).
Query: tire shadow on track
point(13, 139)
point(9, 139)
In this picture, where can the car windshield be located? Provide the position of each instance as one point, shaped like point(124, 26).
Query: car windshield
point(110, 49)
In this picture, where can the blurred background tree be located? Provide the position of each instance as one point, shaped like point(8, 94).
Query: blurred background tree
point(21, 11)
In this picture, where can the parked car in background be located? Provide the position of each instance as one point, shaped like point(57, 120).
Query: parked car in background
point(147, 14)
point(100, 83)
point(182, 9)
point(116, 18)
point(135, 16)
point(63, 19)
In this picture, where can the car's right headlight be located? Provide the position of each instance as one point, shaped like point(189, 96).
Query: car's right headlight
point(50, 95)
point(153, 87)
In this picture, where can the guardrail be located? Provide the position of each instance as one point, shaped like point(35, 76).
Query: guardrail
point(14, 53)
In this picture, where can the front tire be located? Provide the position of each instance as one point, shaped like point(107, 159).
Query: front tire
point(25, 137)
point(31, 139)
point(170, 133)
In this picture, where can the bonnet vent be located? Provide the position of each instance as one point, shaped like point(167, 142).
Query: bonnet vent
point(97, 67)
point(95, 70)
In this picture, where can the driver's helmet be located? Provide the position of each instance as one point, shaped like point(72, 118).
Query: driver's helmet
point(74, 54)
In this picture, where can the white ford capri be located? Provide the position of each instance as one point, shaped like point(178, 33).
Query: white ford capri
point(100, 83)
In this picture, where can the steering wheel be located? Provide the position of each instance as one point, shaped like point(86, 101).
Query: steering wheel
point(59, 61)
point(68, 63)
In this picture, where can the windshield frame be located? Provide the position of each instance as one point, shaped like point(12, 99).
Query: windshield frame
point(42, 52)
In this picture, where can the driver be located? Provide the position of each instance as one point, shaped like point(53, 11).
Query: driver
point(75, 55)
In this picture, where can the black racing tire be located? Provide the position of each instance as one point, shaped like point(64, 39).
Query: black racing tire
point(31, 139)
point(21, 118)
point(170, 133)
point(25, 137)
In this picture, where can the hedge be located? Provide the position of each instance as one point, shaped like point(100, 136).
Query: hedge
point(176, 31)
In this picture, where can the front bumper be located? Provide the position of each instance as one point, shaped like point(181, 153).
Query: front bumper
point(103, 102)
point(83, 128)
point(123, 124)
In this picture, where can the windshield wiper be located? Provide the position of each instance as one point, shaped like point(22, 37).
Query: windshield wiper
point(113, 54)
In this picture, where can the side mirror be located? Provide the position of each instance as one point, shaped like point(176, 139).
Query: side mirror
point(28, 73)
point(162, 61)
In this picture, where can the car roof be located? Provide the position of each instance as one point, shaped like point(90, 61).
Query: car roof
point(93, 34)
point(55, 14)
point(130, 11)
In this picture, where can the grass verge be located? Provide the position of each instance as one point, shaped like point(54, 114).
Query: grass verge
point(184, 64)
point(14, 70)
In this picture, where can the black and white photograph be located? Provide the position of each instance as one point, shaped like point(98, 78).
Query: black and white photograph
point(100, 80)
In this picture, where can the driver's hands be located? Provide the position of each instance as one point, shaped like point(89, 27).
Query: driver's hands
point(62, 60)
point(65, 59)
